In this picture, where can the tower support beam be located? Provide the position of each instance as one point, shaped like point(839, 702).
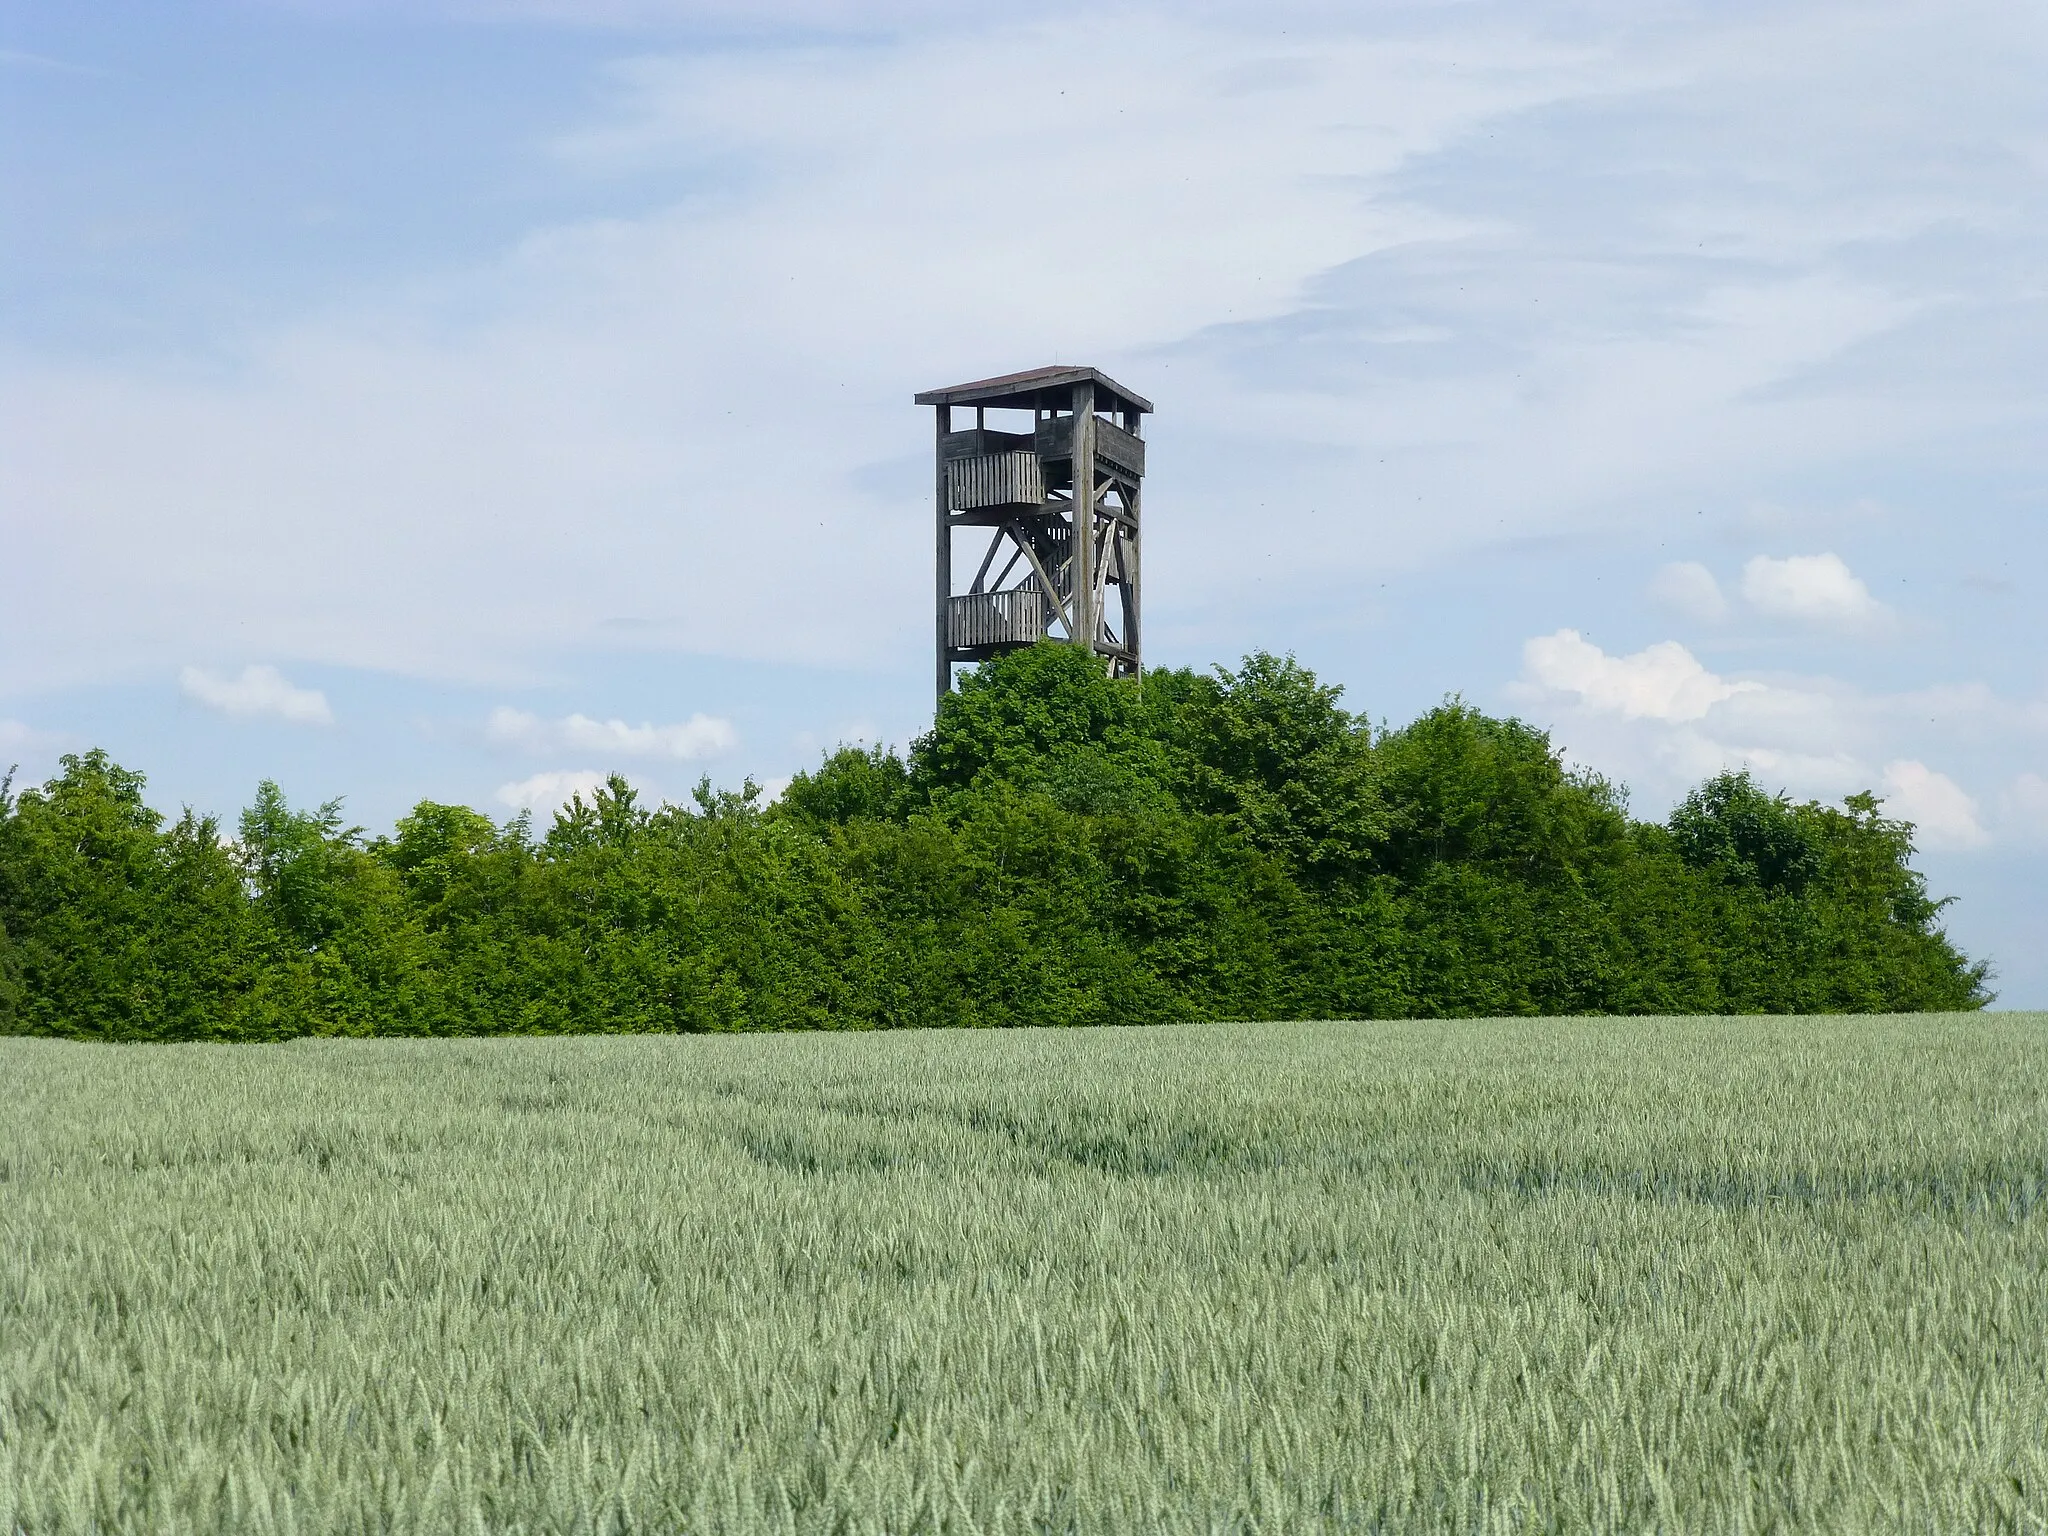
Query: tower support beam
point(944, 417)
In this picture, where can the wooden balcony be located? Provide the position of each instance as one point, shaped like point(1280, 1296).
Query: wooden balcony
point(995, 480)
point(1015, 617)
point(1114, 446)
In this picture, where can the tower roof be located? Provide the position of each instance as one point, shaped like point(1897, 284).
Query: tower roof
point(1022, 391)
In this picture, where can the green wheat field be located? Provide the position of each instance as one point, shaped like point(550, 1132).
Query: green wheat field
point(1532, 1275)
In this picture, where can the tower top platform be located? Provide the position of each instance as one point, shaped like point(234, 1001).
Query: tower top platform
point(1035, 387)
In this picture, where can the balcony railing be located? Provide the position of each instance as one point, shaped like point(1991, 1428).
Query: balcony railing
point(1015, 617)
point(994, 480)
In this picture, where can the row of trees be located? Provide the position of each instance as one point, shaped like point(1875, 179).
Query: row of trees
point(1060, 849)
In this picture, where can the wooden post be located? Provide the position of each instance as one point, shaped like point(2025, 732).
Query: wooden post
point(943, 415)
point(1132, 589)
point(1087, 624)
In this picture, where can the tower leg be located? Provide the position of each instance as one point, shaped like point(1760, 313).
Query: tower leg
point(1087, 623)
point(1134, 591)
point(943, 415)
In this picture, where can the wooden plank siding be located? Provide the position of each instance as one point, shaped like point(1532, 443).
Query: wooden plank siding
point(995, 480)
point(1015, 617)
point(1114, 447)
point(976, 441)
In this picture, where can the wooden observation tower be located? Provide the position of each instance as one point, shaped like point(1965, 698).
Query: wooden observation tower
point(1054, 485)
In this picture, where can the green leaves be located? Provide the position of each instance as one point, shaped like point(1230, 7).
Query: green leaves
point(1061, 848)
point(115, 928)
point(1269, 751)
point(1462, 788)
point(304, 866)
point(1734, 829)
point(852, 784)
point(1025, 717)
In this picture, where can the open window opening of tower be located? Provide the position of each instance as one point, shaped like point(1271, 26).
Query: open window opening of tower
point(1042, 505)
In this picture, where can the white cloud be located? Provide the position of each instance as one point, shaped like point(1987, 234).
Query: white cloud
point(1413, 303)
point(258, 691)
point(1661, 682)
point(1688, 588)
point(637, 376)
point(1815, 589)
point(699, 736)
point(1946, 817)
point(1819, 775)
point(1661, 722)
point(545, 793)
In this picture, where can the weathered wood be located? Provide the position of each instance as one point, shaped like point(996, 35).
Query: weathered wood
point(981, 440)
point(987, 560)
point(1062, 498)
point(1001, 513)
point(1035, 387)
point(994, 480)
point(1015, 617)
point(1009, 565)
point(1130, 588)
point(1086, 626)
point(1048, 580)
point(1114, 447)
point(944, 416)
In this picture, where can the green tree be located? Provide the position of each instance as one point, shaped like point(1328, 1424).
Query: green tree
point(1061, 848)
point(348, 957)
point(1268, 749)
point(1044, 717)
point(1736, 831)
point(852, 784)
point(119, 929)
point(1462, 788)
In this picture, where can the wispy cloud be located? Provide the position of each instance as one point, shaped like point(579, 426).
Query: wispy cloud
point(1689, 588)
point(697, 737)
point(1661, 716)
point(15, 58)
point(1661, 682)
point(545, 793)
point(258, 691)
point(28, 752)
point(635, 372)
point(1510, 271)
point(1943, 815)
point(1813, 589)
point(14, 734)
point(2023, 806)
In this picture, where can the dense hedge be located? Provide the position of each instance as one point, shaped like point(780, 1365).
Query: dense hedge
point(1061, 849)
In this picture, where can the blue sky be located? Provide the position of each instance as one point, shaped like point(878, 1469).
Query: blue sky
point(455, 400)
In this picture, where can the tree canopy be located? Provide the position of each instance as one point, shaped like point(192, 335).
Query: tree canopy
point(1060, 848)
